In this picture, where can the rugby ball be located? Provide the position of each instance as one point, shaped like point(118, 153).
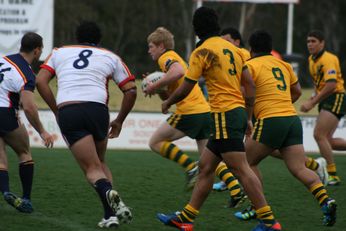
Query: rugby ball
point(152, 77)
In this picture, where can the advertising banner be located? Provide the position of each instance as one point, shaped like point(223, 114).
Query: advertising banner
point(18, 17)
point(138, 128)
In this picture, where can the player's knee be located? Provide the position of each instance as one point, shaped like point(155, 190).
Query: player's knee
point(3, 165)
point(253, 162)
point(318, 136)
point(241, 170)
point(2, 154)
point(206, 169)
point(93, 170)
point(154, 140)
point(24, 156)
point(154, 145)
point(151, 146)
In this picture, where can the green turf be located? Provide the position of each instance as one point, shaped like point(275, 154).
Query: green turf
point(63, 200)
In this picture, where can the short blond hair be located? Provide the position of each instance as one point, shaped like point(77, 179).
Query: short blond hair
point(162, 35)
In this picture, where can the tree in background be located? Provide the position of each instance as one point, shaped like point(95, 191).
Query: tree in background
point(126, 24)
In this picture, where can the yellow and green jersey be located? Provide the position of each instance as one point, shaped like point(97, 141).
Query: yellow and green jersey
point(195, 102)
point(220, 63)
point(326, 67)
point(273, 79)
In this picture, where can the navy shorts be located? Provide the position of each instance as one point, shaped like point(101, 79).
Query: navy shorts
point(219, 147)
point(9, 120)
point(79, 120)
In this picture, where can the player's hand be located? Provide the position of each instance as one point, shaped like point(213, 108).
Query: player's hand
point(313, 95)
point(150, 89)
point(249, 129)
point(165, 106)
point(247, 138)
point(48, 139)
point(145, 75)
point(115, 129)
point(306, 106)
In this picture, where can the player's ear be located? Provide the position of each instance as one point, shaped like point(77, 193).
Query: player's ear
point(162, 46)
point(37, 51)
point(237, 42)
point(323, 43)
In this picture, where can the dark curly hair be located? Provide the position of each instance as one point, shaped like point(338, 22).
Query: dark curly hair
point(30, 42)
point(205, 22)
point(88, 32)
point(261, 42)
point(316, 34)
point(234, 33)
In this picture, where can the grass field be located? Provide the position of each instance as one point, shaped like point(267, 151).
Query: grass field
point(150, 184)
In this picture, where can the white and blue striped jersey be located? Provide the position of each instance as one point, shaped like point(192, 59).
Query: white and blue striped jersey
point(83, 72)
point(15, 75)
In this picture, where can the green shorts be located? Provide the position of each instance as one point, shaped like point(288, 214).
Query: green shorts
point(195, 126)
point(229, 125)
point(228, 130)
point(278, 132)
point(335, 103)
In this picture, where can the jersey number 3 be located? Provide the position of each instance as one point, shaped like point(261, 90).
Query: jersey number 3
point(231, 71)
point(83, 61)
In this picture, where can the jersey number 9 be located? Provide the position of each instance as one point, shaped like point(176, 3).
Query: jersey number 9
point(280, 77)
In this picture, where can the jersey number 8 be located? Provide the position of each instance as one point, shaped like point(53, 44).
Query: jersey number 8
point(83, 61)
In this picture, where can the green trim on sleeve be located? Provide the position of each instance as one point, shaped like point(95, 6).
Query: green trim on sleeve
point(190, 80)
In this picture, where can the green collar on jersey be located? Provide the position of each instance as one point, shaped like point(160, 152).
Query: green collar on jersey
point(319, 54)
